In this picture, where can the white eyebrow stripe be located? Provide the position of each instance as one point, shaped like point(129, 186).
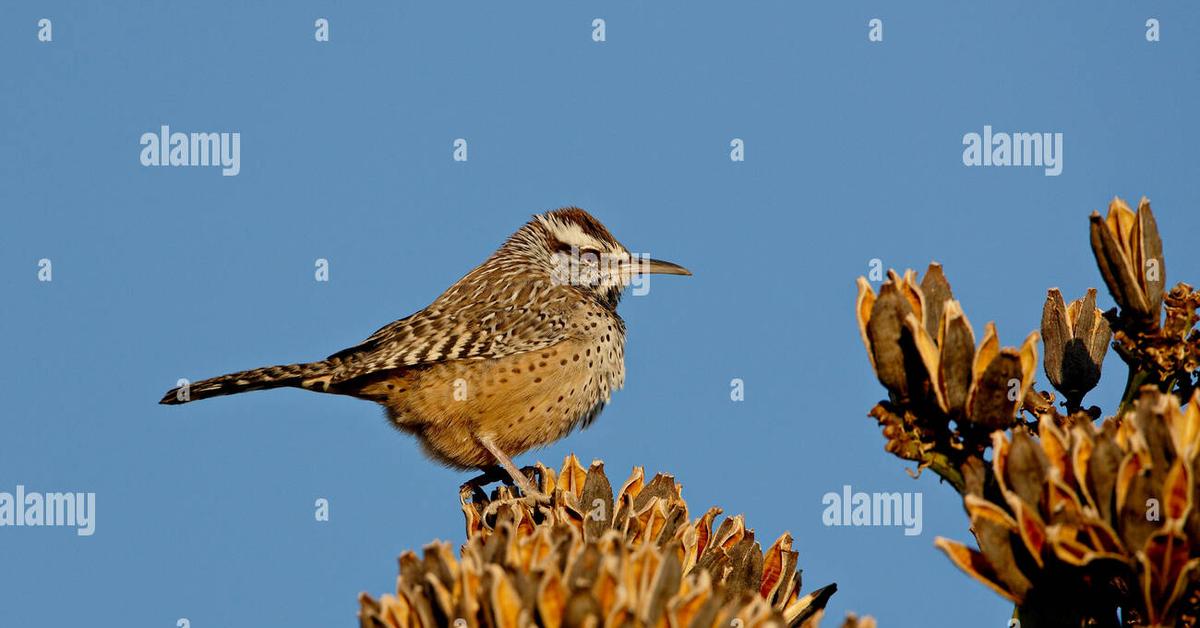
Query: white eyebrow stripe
point(570, 233)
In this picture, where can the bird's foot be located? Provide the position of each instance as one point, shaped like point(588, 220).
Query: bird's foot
point(531, 474)
point(532, 477)
point(475, 485)
point(524, 482)
point(532, 500)
point(520, 478)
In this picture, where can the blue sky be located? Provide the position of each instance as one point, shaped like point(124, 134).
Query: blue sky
point(853, 152)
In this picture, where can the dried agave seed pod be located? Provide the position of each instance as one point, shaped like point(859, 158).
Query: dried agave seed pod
point(588, 558)
point(1001, 379)
point(1092, 519)
point(1128, 251)
point(882, 325)
point(922, 348)
point(1076, 338)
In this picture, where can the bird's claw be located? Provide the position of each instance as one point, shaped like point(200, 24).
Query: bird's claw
point(532, 500)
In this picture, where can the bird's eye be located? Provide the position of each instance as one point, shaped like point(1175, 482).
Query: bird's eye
point(589, 255)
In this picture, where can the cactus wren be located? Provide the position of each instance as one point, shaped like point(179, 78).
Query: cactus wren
point(515, 355)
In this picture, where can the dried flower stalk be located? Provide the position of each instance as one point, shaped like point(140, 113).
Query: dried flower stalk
point(1076, 524)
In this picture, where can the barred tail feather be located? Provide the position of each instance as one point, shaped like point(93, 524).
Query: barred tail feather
point(299, 375)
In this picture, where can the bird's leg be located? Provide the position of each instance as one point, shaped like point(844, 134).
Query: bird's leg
point(519, 479)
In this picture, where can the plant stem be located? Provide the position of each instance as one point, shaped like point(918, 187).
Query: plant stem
point(1137, 379)
point(941, 465)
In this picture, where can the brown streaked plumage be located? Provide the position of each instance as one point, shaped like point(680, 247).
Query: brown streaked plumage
point(515, 355)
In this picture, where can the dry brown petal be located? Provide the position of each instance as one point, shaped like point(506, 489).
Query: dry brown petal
point(1103, 466)
point(1032, 530)
point(862, 312)
point(936, 292)
point(792, 582)
point(649, 523)
point(1177, 493)
point(995, 530)
point(1162, 563)
point(439, 595)
point(957, 346)
point(1153, 434)
point(1025, 468)
point(1064, 540)
point(773, 565)
point(410, 616)
point(975, 565)
point(910, 290)
point(927, 351)
point(572, 476)
point(1055, 447)
point(1104, 539)
point(1063, 505)
point(422, 612)
point(1121, 221)
point(1029, 360)
point(810, 607)
point(666, 585)
point(1081, 455)
point(731, 532)
point(884, 336)
point(996, 392)
point(620, 616)
point(1114, 267)
point(745, 565)
point(1092, 327)
point(395, 610)
point(661, 486)
point(1056, 333)
point(1150, 252)
point(1135, 489)
point(685, 609)
point(979, 509)
point(552, 600)
point(989, 349)
point(703, 529)
point(597, 501)
point(607, 588)
point(1184, 426)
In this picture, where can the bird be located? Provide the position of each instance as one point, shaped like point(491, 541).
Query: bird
point(521, 351)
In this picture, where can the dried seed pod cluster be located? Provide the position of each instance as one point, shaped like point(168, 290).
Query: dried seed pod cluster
point(1076, 338)
point(923, 350)
point(1078, 525)
point(1089, 520)
point(591, 559)
point(946, 393)
point(1129, 252)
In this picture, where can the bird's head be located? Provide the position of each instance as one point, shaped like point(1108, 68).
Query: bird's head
point(572, 247)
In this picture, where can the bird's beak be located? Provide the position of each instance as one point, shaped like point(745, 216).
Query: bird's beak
point(659, 267)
